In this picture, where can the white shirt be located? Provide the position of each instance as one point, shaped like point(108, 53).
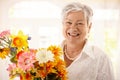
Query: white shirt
point(92, 64)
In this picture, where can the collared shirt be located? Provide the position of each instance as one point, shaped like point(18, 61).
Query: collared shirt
point(91, 64)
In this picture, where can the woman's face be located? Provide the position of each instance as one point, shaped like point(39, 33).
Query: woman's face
point(75, 27)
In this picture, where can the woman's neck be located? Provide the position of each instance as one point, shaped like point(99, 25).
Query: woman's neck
point(74, 47)
point(71, 51)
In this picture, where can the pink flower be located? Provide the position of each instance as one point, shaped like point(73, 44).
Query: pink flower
point(26, 60)
point(4, 33)
point(11, 67)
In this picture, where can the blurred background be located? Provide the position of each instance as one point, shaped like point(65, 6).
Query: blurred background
point(41, 19)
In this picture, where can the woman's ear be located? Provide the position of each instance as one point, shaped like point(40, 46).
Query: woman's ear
point(89, 26)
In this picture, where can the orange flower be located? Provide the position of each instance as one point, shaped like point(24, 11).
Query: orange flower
point(61, 66)
point(28, 76)
point(56, 50)
point(41, 73)
point(49, 67)
point(4, 52)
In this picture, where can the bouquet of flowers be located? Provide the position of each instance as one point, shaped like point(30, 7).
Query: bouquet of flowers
point(31, 64)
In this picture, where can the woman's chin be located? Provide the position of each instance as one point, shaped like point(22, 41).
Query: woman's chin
point(72, 40)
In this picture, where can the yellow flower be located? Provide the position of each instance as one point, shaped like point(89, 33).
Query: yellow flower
point(4, 52)
point(19, 40)
point(56, 50)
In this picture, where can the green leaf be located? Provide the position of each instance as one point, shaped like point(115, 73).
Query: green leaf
point(52, 76)
point(13, 59)
point(37, 78)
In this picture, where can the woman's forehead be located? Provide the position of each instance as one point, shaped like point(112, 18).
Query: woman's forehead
point(75, 15)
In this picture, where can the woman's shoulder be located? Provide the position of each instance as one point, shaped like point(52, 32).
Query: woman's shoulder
point(98, 51)
point(101, 54)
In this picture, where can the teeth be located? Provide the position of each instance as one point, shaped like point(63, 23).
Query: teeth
point(74, 34)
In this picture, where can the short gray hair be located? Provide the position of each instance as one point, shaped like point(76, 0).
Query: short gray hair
point(76, 6)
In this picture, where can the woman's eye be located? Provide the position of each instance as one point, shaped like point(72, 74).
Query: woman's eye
point(80, 23)
point(68, 23)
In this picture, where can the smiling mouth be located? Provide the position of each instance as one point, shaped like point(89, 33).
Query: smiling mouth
point(74, 34)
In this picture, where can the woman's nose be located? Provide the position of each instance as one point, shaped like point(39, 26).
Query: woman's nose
point(73, 26)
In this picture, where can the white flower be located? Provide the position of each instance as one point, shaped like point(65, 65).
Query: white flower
point(44, 56)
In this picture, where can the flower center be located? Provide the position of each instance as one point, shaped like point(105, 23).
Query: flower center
point(17, 41)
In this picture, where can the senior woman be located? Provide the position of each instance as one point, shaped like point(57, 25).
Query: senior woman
point(84, 61)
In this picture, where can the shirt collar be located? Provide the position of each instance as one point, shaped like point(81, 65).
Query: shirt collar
point(89, 50)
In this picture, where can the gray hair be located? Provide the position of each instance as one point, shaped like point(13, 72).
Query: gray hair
point(76, 6)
